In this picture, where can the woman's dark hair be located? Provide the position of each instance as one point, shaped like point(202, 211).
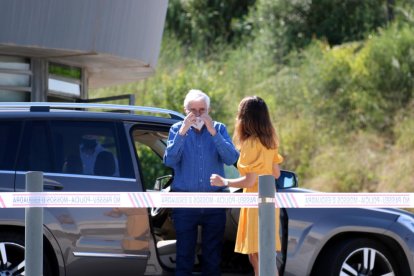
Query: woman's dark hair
point(253, 121)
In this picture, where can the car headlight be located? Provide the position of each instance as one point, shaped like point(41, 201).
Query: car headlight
point(407, 221)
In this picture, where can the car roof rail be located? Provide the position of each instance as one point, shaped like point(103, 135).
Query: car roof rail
point(109, 107)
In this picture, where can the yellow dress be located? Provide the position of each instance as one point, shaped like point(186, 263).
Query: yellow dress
point(254, 158)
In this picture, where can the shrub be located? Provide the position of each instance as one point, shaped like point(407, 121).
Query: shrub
point(201, 25)
point(283, 25)
point(389, 78)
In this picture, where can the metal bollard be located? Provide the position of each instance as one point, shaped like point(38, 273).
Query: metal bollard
point(267, 227)
point(33, 253)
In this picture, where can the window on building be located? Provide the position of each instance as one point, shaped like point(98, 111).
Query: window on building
point(64, 81)
point(15, 79)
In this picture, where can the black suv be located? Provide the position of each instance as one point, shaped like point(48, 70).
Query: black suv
point(80, 150)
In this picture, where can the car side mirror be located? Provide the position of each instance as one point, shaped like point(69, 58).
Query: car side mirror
point(286, 180)
point(161, 182)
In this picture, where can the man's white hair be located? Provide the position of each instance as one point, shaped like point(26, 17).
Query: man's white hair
point(195, 94)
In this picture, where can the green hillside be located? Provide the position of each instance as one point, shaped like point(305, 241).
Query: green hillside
point(336, 74)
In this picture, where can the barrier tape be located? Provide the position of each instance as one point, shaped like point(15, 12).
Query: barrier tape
point(203, 200)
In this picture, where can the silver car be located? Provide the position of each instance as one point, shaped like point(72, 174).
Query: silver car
point(90, 151)
point(347, 241)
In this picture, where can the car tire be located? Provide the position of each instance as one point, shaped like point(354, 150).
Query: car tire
point(12, 250)
point(361, 256)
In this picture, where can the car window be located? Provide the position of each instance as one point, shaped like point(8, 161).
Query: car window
point(9, 138)
point(73, 147)
point(150, 147)
point(35, 152)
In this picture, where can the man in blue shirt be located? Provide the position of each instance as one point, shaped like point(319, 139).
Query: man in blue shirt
point(198, 147)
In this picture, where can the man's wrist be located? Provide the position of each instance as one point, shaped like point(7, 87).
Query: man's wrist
point(182, 131)
point(213, 132)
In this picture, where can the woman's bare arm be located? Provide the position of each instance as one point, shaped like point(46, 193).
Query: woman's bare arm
point(241, 182)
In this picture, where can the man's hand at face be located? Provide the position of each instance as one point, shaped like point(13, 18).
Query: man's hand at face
point(209, 123)
point(188, 121)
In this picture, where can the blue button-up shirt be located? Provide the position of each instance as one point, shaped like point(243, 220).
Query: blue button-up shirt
point(196, 155)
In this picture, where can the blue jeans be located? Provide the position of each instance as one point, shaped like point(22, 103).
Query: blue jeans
point(186, 221)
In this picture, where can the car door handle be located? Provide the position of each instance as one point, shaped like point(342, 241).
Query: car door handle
point(52, 185)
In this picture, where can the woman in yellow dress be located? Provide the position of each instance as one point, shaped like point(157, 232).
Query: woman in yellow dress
point(257, 141)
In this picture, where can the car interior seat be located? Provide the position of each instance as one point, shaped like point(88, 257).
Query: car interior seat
point(73, 164)
point(105, 164)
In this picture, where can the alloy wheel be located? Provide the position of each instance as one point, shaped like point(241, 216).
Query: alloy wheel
point(366, 262)
point(11, 259)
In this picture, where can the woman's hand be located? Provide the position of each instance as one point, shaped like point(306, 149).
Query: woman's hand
point(216, 180)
